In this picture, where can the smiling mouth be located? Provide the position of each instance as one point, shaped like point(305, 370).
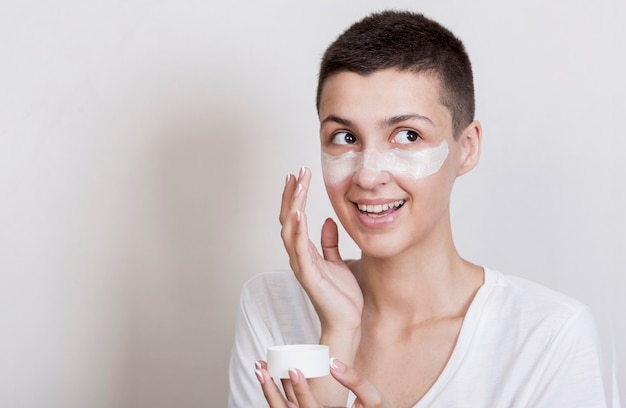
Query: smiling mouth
point(380, 210)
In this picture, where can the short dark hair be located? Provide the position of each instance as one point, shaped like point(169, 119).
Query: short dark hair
point(406, 41)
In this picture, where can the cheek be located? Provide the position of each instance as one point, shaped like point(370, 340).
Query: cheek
point(432, 190)
point(337, 169)
point(414, 165)
point(335, 191)
point(336, 195)
point(417, 165)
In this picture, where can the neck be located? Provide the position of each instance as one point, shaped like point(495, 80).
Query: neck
point(418, 286)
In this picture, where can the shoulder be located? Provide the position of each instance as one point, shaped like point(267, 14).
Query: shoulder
point(271, 284)
point(532, 296)
point(549, 335)
point(276, 294)
point(535, 308)
point(273, 310)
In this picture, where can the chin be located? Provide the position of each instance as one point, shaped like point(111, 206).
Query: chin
point(379, 247)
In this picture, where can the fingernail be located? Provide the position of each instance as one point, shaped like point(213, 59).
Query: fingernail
point(302, 171)
point(293, 376)
point(337, 365)
point(298, 190)
point(259, 376)
point(287, 178)
point(258, 365)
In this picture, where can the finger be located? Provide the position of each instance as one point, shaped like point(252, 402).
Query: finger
point(330, 241)
point(289, 390)
point(272, 394)
point(305, 252)
point(301, 390)
point(287, 197)
point(302, 189)
point(294, 200)
point(287, 219)
point(292, 184)
point(367, 395)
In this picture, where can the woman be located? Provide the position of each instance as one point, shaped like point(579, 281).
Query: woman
point(411, 323)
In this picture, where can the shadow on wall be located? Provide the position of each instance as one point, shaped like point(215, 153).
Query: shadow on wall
point(179, 332)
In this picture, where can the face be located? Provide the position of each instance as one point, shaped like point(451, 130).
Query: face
point(389, 158)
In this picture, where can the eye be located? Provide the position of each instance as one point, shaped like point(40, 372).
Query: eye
point(344, 138)
point(406, 136)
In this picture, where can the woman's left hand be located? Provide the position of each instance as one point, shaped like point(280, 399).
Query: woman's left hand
point(298, 394)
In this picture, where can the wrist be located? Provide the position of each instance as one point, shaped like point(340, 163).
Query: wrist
point(343, 344)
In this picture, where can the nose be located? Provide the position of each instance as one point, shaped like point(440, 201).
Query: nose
point(373, 170)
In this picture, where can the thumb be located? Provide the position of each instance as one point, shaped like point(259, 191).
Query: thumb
point(366, 394)
point(330, 241)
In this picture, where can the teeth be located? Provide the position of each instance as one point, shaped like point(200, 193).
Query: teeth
point(378, 208)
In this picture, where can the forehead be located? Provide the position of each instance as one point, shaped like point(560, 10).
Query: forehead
point(382, 94)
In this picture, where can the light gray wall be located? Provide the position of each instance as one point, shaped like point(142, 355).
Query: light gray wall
point(143, 148)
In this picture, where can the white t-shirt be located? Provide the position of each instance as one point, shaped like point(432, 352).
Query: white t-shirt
point(520, 345)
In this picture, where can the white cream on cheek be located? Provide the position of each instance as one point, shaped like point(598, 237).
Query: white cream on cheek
point(403, 163)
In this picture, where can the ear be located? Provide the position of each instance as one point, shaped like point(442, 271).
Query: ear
point(469, 141)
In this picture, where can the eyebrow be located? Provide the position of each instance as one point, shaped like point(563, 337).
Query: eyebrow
point(336, 119)
point(394, 120)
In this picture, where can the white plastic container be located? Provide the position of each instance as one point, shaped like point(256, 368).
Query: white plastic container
point(312, 359)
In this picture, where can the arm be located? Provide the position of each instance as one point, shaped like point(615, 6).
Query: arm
point(273, 310)
point(247, 347)
point(329, 283)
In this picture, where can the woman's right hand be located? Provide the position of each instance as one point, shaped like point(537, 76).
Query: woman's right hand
point(298, 394)
point(328, 281)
